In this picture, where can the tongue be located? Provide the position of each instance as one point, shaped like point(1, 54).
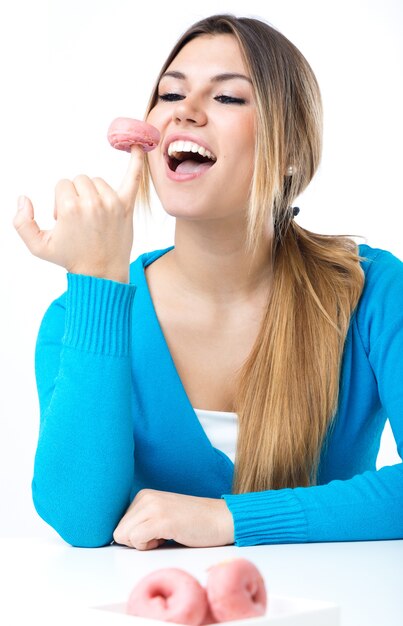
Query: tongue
point(190, 167)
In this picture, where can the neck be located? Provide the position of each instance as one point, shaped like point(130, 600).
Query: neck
point(211, 262)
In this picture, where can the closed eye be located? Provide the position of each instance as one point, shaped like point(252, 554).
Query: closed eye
point(172, 97)
point(230, 100)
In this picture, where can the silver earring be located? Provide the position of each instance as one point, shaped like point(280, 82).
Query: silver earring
point(290, 170)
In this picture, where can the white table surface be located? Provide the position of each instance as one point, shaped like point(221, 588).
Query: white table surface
point(46, 581)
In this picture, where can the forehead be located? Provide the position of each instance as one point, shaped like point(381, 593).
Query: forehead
point(208, 55)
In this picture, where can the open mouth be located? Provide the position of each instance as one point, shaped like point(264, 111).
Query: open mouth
point(188, 158)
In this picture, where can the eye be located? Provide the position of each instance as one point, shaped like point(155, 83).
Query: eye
point(170, 97)
point(229, 100)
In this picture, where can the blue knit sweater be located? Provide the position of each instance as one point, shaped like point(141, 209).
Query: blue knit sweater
point(115, 418)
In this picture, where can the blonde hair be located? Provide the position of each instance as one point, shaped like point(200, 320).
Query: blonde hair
point(287, 389)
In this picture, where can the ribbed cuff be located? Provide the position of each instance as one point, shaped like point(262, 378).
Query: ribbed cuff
point(98, 315)
point(266, 517)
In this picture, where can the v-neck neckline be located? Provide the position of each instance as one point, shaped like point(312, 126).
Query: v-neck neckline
point(146, 259)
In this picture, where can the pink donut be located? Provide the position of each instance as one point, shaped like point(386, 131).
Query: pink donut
point(124, 132)
point(170, 595)
point(208, 618)
point(236, 590)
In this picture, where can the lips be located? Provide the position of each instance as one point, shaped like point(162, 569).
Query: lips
point(191, 172)
point(188, 155)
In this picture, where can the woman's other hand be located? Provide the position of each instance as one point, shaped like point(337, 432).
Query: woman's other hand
point(93, 234)
point(155, 516)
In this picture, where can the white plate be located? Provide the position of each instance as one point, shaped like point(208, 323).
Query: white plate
point(282, 610)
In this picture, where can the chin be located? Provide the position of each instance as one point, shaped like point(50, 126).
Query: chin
point(180, 206)
point(187, 212)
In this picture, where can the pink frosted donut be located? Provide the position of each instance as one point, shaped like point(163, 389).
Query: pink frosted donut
point(208, 618)
point(236, 590)
point(170, 595)
point(124, 132)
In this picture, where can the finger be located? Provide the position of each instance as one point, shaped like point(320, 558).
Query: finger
point(66, 196)
point(126, 525)
point(27, 228)
point(119, 537)
point(122, 541)
point(142, 535)
point(121, 534)
point(151, 545)
point(86, 189)
point(145, 537)
point(109, 195)
point(130, 183)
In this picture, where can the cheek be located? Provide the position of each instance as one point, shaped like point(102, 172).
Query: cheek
point(151, 117)
point(157, 117)
point(240, 145)
point(239, 158)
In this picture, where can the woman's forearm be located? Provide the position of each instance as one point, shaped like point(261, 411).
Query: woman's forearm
point(84, 461)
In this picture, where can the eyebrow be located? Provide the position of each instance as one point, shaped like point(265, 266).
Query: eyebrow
point(214, 79)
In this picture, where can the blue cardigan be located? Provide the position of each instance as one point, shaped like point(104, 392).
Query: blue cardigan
point(115, 418)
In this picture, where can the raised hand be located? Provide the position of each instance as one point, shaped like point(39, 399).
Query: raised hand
point(93, 233)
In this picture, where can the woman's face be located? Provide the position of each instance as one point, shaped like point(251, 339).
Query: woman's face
point(201, 103)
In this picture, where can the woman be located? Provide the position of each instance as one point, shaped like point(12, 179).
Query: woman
point(284, 345)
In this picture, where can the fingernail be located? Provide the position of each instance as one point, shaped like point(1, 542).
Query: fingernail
point(21, 202)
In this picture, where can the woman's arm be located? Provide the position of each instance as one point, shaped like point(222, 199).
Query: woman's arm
point(83, 471)
point(84, 461)
point(368, 506)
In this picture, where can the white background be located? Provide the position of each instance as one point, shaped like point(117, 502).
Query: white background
point(67, 68)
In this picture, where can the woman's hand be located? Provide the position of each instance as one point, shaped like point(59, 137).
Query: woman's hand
point(93, 234)
point(155, 516)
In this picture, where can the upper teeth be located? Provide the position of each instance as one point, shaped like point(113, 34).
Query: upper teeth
point(189, 146)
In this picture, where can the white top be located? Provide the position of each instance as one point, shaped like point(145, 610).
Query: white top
point(221, 428)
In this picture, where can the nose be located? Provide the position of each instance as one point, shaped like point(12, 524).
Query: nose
point(189, 110)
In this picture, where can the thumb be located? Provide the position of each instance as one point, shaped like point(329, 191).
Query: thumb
point(131, 181)
point(26, 226)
